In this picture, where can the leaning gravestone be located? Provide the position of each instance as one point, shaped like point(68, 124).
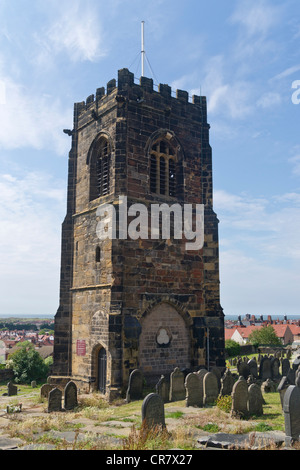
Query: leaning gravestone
point(291, 411)
point(54, 400)
point(210, 388)
point(153, 412)
point(177, 388)
point(194, 390)
point(135, 386)
point(255, 400)
point(239, 408)
point(70, 396)
point(163, 389)
point(12, 389)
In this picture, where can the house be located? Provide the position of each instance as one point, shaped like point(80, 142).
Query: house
point(241, 334)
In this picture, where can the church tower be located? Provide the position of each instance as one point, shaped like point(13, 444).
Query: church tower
point(142, 301)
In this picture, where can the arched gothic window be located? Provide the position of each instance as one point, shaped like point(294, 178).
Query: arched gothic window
point(162, 169)
point(100, 169)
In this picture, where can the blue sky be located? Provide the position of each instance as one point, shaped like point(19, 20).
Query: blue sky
point(243, 55)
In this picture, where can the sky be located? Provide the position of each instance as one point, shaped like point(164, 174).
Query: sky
point(244, 56)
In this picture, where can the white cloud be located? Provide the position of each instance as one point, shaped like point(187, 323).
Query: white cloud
point(77, 31)
point(256, 21)
point(259, 252)
point(268, 100)
point(32, 120)
point(31, 213)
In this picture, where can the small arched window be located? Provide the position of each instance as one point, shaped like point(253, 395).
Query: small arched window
point(163, 169)
point(100, 169)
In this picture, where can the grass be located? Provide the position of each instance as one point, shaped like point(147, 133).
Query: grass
point(92, 409)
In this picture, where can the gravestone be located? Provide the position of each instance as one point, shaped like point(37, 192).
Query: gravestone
point(70, 396)
point(177, 388)
point(243, 369)
point(265, 369)
point(45, 389)
point(153, 412)
point(285, 366)
point(194, 390)
point(210, 388)
point(227, 382)
point(282, 388)
point(163, 389)
point(239, 408)
point(33, 384)
point(135, 386)
point(54, 400)
point(268, 386)
point(12, 389)
point(275, 365)
point(255, 400)
point(253, 368)
point(291, 411)
point(217, 372)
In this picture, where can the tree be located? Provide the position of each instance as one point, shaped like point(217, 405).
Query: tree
point(232, 348)
point(27, 364)
point(264, 335)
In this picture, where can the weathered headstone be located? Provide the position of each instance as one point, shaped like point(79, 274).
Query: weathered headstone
point(33, 383)
point(268, 386)
point(253, 367)
point(153, 412)
point(275, 365)
point(163, 389)
point(218, 374)
point(177, 388)
point(243, 369)
point(255, 400)
point(239, 408)
point(135, 386)
point(70, 396)
point(54, 400)
point(291, 411)
point(12, 389)
point(285, 366)
point(194, 390)
point(227, 382)
point(282, 388)
point(265, 369)
point(210, 388)
point(45, 389)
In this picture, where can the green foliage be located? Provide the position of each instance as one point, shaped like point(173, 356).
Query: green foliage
point(211, 427)
point(27, 364)
point(232, 348)
point(224, 403)
point(265, 335)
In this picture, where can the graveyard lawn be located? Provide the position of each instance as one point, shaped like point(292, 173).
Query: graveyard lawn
point(95, 424)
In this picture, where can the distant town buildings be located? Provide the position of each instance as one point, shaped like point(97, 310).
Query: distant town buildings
point(288, 331)
point(42, 342)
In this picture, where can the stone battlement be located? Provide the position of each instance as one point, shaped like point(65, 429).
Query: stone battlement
point(126, 80)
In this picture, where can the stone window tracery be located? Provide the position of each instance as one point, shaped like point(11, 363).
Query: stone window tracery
point(100, 170)
point(163, 169)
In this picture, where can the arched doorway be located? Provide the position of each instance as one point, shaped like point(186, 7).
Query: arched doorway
point(164, 341)
point(102, 370)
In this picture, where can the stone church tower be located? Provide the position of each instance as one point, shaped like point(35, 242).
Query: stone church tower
point(142, 303)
